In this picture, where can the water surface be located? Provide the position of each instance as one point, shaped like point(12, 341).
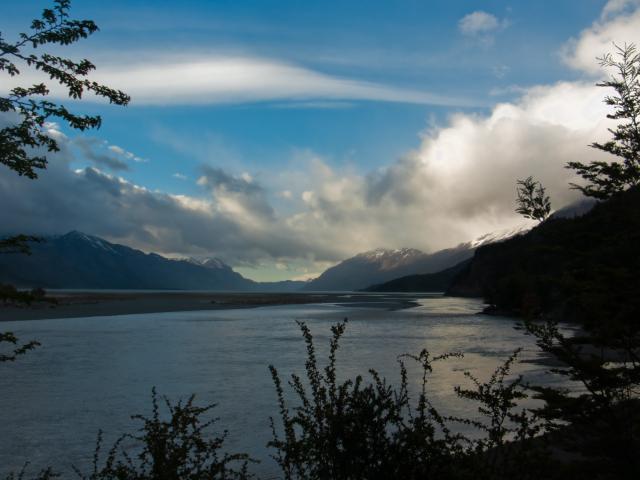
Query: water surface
point(92, 373)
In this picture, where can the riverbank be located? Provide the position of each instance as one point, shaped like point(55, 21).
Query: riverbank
point(92, 304)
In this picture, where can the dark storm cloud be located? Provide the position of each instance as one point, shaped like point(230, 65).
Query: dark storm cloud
point(93, 201)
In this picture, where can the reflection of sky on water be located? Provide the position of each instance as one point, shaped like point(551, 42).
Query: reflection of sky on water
point(93, 373)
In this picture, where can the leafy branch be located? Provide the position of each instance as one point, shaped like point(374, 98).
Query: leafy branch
point(33, 112)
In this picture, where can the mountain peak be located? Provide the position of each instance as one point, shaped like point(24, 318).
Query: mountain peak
point(380, 253)
point(91, 240)
point(213, 263)
point(500, 235)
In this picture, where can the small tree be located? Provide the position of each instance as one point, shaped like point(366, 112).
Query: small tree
point(33, 111)
point(177, 446)
point(608, 178)
point(532, 201)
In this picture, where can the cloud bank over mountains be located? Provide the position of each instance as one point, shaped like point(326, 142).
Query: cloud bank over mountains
point(458, 185)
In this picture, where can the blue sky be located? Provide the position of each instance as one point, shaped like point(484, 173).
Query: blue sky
point(279, 94)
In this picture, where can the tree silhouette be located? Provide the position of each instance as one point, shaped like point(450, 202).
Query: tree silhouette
point(31, 111)
point(607, 178)
point(28, 113)
point(532, 201)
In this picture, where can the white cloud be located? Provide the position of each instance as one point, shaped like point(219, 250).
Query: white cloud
point(478, 22)
point(616, 7)
point(118, 150)
point(125, 154)
point(203, 80)
point(619, 23)
point(459, 184)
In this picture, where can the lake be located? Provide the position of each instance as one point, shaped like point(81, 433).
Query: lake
point(93, 373)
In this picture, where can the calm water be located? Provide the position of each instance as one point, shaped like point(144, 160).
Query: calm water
point(92, 373)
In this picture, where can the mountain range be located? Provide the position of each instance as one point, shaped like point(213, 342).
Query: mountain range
point(442, 280)
point(78, 261)
point(381, 265)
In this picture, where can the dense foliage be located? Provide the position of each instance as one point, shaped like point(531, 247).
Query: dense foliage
point(600, 426)
point(606, 178)
point(582, 269)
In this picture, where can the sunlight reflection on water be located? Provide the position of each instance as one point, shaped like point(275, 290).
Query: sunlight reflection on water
point(92, 373)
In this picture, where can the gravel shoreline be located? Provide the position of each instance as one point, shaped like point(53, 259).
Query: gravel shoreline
point(91, 304)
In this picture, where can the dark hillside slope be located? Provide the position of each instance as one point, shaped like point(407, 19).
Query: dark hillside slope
point(426, 282)
point(379, 266)
point(583, 269)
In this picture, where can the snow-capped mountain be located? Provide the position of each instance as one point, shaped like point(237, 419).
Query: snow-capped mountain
point(90, 240)
point(499, 235)
point(391, 259)
point(576, 209)
point(382, 265)
point(210, 262)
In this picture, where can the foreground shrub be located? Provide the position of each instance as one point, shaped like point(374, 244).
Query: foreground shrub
point(599, 426)
point(173, 449)
point(358, 430)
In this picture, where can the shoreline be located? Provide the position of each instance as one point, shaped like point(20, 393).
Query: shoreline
point(98, 304)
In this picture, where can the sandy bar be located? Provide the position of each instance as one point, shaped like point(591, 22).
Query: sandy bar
point(91, 304)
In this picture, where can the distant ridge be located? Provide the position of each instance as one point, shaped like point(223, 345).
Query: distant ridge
point(426, 282)
point(77, 260)
point(379, 266)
